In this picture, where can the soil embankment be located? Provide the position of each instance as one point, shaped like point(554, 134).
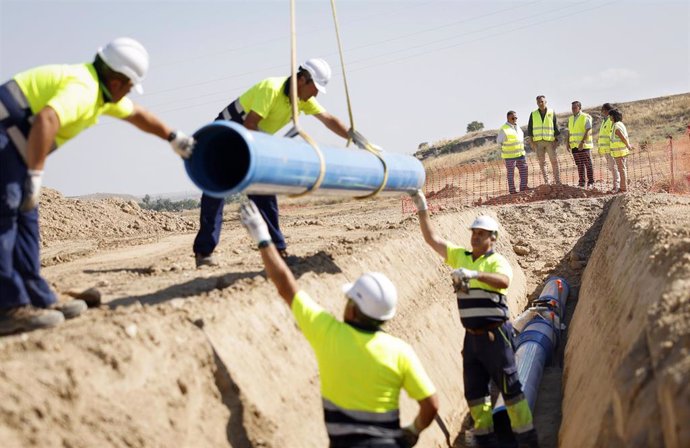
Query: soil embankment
point(184, 357)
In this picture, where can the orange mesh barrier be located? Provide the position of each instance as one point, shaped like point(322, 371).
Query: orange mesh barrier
point(657, 167)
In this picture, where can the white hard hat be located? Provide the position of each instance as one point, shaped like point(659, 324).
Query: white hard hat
point(374, 294)
point(320, 72)
point(129, 57)
point(486, 223)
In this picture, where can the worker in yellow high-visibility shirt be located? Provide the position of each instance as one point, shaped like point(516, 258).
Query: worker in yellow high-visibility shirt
point(40, 110)
point(362, 368)
point(512, 141)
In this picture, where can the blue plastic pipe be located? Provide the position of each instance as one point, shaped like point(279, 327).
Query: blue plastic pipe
point(230, 159)
point(536, 345)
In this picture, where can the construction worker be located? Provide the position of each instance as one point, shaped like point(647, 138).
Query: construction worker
point(40, 110)
point(266, 107)
point(511, 139)
point(362, 368)
point(580, 143)
point(620, 147)
point(543, 132)
point(604, 143)
point(481, 278)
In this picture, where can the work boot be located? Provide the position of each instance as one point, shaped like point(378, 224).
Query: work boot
point(70, 309)
point(486, 440)
point(527, 439)
point(28, 318)
point(206, 260)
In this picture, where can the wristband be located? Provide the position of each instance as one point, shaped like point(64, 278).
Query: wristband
point(172, 136)
point(265, 243)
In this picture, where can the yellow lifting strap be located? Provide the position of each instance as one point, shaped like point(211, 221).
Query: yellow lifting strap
point(295, 107)
point(368, 147)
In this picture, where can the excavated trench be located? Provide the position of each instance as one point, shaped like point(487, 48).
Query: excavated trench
point(233, 370)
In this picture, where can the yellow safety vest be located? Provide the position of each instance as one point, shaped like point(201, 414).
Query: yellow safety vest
point(543, 129)
point(513, 146)
point(618, 148)
point(576, 129)
point(604, 140)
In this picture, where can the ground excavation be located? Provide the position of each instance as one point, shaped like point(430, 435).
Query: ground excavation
point(182, 357)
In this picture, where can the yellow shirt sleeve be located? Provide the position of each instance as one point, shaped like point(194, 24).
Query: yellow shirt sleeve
point(311, 318)
point(122, 109)
point(68, 104)
point(416, 382)
point(453, 255)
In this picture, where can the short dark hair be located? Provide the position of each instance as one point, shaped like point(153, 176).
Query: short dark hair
point(616, 115)
point(577, 103)
point(607, 107)
point(365, 321)
point(540, 96)
point(105, 73)
point(510, 112)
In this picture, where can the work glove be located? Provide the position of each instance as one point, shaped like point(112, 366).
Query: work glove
point(32, 190)
point(254, 223)
point(182, 144)
point(419, 200)
point(410, 435)
point(461, 279)
point(361, 141)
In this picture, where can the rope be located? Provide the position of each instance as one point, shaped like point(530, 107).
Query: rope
point(368, 146)
point(295, 107)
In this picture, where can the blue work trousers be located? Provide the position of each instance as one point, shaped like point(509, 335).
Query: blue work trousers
point(486, 358)
point(211, 222)
point(20, 278)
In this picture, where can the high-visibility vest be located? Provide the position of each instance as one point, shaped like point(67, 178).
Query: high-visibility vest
point(604, 140)
point(618, 148)
point(514, 145)
point(543, 129)
point(576, 129)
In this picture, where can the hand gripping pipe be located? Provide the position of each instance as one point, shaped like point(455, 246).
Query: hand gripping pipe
point(230, 159)
point(539, 329)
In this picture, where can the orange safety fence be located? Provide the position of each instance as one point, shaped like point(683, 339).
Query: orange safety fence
point(656, 167)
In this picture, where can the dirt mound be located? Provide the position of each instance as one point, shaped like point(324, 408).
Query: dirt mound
point(632, 331)
point(97, 224)
point(183, 357)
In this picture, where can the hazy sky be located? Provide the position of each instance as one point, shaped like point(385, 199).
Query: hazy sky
point(418, 71)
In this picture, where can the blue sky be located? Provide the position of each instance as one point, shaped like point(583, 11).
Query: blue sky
point(418, 71)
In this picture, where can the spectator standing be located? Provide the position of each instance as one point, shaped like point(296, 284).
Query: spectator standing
point(512, 141)
point(542, 129)
point(580, 143)
point(620, 147)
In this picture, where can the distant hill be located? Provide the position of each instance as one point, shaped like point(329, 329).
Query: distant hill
point(647, 120)
point(178, 196)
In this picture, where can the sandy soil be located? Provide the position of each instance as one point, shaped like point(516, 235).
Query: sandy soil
point(183, 357)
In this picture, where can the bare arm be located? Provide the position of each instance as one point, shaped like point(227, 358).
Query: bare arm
point(624, 139)
point(148, 122)
point(432, 239)
point(428, 409)
point(252, 121)
point(493, 279)
point(41, 137)
point(333, 123)
point(279, 273)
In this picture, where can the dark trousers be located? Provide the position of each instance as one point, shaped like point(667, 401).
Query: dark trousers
point(487, 358)
point(20, 278)
point(211, 222)
point(355, 441)
point(521, 164)
point(583, 161)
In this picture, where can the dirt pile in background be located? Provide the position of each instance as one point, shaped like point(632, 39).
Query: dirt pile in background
point(99, 224)
point(212, 357)
point(627, 359)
